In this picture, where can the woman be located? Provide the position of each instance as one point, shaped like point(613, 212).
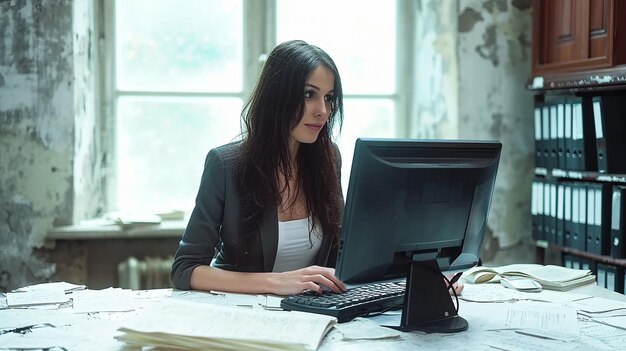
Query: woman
point(270, 205)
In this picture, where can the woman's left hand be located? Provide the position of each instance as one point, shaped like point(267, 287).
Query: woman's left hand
point(458, 287)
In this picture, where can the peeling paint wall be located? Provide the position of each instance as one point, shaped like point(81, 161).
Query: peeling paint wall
point(494, 48)
point(473, 63)
point(38, 110)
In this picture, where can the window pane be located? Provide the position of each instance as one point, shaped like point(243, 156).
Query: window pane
point(163, 45)
point(362, 43)
point(162, 145)
point(363, 118)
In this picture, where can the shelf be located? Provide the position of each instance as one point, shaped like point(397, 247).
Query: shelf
point(582, 175)
point(613, 78)
point(166, 229)
point(543, 245)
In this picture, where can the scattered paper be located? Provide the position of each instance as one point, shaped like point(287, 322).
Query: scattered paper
point(41, 294)
point(365, 329)
point(217, 297)
point(269, 301)
point(598, 305)
point(36, 297)
point(490, 293)
point(45, 338)
point(543, 320)
point(617, 322)
point(594, 330)
point(518, 323)
point(63, 286)
point(513, 341)
point(19, 317)
point(107, 300)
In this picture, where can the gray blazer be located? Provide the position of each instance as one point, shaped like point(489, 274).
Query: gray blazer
point(214, 224)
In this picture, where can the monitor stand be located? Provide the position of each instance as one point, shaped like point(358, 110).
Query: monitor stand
point(428, 305)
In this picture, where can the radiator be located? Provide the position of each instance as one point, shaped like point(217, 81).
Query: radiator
point(149, 273)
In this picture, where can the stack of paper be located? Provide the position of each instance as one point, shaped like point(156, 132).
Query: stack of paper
point(549, 276)
point(42, 294)
point(133, 219)
point(185, 325)
point(107, 300)
point(63, 286)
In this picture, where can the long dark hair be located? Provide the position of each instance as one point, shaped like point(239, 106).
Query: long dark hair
point(275, 107)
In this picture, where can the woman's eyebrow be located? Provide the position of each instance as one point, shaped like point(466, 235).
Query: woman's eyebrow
point(317, 88)
point(312, 86)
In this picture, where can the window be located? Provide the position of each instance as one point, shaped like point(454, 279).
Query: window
point(177, 77)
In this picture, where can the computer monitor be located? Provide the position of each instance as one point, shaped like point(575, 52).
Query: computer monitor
point(415, 208)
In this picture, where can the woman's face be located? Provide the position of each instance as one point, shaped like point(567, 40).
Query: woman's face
point(318, 92)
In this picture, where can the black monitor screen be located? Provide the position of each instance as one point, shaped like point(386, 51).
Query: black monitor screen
point(413, 209)
point(414, 200)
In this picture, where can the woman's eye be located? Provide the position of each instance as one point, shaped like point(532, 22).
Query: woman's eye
point(309, 94)
point(329, 98)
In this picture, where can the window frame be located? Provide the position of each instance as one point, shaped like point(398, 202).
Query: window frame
point(259, 37)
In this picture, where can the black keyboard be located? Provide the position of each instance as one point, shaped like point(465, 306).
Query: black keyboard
point(356, 302)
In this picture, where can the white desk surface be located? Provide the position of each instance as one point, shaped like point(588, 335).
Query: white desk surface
point(96, 331)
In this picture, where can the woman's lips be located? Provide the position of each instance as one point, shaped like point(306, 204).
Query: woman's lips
point(314, 127)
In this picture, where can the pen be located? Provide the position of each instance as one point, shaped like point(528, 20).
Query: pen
point(535, 335)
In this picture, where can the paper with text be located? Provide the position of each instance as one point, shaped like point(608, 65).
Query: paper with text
point(543, 319)
point(205, 325)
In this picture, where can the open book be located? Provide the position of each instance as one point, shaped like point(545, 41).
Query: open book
point(549, 276)
point(200, 326)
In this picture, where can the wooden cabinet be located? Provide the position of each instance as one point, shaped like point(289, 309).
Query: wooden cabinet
point(579, 76)
point(578, 34)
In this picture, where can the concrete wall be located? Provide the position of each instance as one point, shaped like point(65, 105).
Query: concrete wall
point(473, 61)
point(474, 58)
point(37, 132)
point(46, 161)
point(494, 50)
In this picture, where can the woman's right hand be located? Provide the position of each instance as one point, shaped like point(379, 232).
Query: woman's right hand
point(309, 278)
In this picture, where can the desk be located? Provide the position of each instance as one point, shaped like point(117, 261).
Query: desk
point(96, 331)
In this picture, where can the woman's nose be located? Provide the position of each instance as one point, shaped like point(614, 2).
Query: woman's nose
point(322, 108)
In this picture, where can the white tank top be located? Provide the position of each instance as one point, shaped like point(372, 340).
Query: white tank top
point(294, 248)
